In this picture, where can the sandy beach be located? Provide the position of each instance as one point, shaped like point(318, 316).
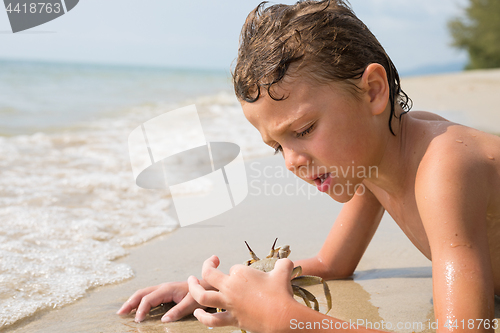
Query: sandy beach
point(392, 283)
point(470, 98)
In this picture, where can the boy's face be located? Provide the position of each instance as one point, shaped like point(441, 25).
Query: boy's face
point(328, 137)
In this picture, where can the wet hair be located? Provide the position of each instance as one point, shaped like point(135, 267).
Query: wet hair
point(324, 38)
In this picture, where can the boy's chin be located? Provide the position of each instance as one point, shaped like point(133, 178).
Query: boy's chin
point(342, 198)
point(344, 190)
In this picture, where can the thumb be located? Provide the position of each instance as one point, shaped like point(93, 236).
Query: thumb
point(283, 272)
point(283, 269)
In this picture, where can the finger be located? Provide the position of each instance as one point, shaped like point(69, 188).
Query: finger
point(186, 306)
point(283, 271)
point(283, 265)
point(134, 300)
point(211, 274)
point(151, 300)
point(215, 319)
point(283, 268)
point(212, 262)
point(204, 297)
point(215, 260)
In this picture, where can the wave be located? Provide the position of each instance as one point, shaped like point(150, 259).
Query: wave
point(69, 205)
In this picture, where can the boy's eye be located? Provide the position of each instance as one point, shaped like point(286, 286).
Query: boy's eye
point(307, 131)
point(278, 149)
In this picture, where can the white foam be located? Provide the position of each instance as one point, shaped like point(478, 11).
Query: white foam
point(69, 205)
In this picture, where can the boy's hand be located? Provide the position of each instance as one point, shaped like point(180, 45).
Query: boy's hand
point(253, 300)
point(143, 300)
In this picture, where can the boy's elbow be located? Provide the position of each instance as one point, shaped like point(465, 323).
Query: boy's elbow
point(338, 275)
point(328, 272)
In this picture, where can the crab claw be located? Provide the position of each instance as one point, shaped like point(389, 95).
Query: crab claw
point(254, 257)
point(274, 252)
point(297, 271)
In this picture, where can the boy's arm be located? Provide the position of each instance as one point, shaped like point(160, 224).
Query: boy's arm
point(453, 205)
point(348, 239)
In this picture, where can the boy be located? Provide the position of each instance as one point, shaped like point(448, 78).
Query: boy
point(322, 91)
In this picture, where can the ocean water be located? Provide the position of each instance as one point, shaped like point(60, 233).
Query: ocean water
point(69, 205)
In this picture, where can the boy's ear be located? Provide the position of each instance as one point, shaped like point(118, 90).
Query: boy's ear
point(375, 87)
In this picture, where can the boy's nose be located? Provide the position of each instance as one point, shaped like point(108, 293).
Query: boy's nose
point(294, 160)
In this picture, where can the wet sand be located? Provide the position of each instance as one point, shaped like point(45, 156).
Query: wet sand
point(393, 280)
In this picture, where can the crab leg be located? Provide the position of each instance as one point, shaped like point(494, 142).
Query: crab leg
point(308, 280)
point(306, 296)
point(159, 310)
point(298, 291)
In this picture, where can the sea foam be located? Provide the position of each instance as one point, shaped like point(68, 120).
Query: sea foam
point(69, 205)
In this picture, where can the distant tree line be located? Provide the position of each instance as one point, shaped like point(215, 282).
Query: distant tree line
point(478, 32)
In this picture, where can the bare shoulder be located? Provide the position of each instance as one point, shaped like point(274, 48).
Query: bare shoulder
point(452, 190)
point(459, 158)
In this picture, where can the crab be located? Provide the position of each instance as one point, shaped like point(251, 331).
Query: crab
point(298, 281)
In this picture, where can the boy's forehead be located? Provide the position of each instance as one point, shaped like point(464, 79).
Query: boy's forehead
point(289, 97)
point(269, 115)
point(300, 97)
point(266, 109)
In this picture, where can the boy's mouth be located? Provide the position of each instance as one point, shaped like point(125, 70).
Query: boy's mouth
point(322, 182)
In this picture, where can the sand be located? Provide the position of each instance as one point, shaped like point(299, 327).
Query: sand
point(392, 283)
point(471, 98)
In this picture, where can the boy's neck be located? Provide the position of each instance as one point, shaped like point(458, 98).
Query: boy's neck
point(393, 167)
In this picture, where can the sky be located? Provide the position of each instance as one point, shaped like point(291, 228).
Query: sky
point(204, 34)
